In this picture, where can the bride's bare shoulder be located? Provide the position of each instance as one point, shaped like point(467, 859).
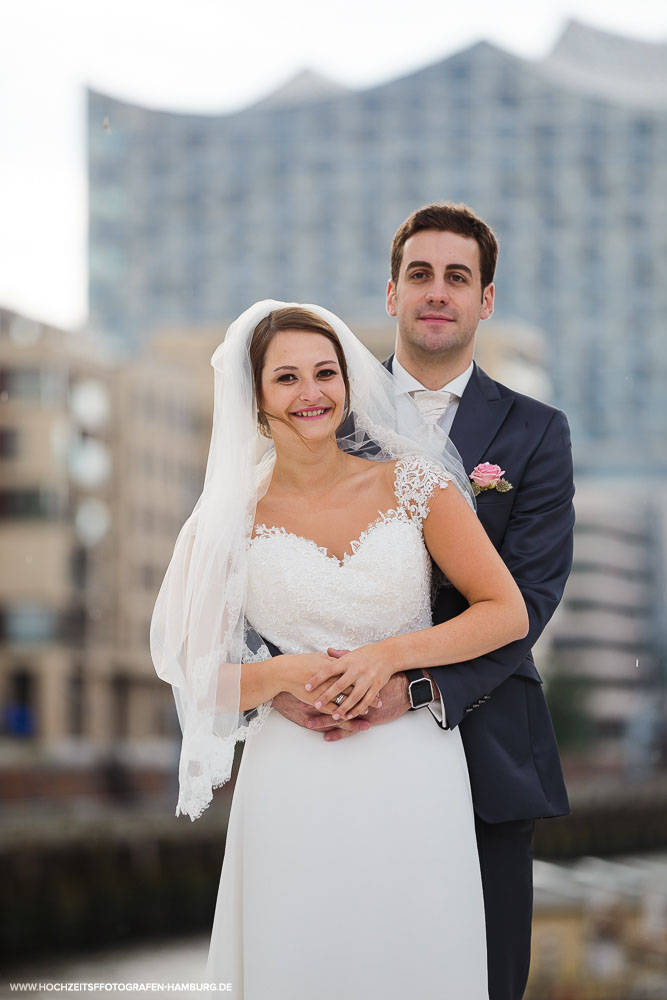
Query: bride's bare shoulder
point(371, 466)
point(373, 469)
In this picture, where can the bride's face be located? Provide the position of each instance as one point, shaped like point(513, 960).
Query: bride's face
point(302, 386)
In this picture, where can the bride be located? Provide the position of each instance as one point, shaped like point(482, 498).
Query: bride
point(351, 867)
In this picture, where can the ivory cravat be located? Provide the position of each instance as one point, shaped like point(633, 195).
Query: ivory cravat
point(432, 403)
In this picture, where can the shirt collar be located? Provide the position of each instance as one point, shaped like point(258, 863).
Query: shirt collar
point(408, 383)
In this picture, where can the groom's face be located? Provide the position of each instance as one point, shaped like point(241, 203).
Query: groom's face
point(438, 299)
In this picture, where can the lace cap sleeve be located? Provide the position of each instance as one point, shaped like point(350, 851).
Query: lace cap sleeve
point(416, 479)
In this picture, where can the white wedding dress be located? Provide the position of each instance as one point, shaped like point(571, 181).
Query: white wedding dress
point(351, 867)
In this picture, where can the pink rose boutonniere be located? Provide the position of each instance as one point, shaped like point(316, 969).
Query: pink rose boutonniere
point(489, 477)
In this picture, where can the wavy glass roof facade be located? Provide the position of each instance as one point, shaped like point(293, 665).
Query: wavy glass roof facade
point(193, 217)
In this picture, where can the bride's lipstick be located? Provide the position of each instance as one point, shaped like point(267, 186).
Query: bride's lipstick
point(311, 412)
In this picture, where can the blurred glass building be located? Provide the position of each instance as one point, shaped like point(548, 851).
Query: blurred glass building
point(193, 217)
point(100, 464)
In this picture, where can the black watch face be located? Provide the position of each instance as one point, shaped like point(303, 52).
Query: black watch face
point(420, 693)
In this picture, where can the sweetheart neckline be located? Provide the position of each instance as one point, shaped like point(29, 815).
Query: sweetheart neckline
point(384, 517)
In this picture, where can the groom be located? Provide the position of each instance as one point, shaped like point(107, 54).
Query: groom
point(443, 261)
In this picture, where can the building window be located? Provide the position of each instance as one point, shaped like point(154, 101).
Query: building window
point(19, 712)
point(20, 383)
point(9, 442)
point(120, 706)
point(75, 703)
point(36, 384)
point(79, 566)
point(74, 625)
point(28, 623)
point(30, 504)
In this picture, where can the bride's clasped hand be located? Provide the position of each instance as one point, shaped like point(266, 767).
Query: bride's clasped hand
point(294, 673)
point(366, 669)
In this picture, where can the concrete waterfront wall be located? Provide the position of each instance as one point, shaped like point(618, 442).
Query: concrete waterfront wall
point(608, 818)
point(121, 878)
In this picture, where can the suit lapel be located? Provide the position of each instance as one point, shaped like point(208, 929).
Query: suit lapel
point(480, 414)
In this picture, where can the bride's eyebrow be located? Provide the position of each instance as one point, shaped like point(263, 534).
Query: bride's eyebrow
point(293, 368)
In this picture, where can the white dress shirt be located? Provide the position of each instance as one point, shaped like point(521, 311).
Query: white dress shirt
point(407, 383)
point(437, 406)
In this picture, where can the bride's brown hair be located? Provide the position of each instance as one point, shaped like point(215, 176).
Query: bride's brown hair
point(290, 318)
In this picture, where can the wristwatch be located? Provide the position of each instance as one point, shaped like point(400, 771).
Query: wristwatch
point(420, 689)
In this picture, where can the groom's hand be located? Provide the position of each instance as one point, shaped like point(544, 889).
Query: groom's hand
point(394, 698)
point(297, 711)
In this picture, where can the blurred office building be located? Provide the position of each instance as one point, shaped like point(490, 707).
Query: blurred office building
point(610, 637)
point(100, 464)
point(56, 527)
point(606, 647)
point(297, 197)
point(164, 404)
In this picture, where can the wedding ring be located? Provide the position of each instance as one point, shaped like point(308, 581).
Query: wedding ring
point(339, 699)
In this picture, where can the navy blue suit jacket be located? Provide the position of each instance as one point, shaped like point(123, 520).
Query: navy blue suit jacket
point(497, 699)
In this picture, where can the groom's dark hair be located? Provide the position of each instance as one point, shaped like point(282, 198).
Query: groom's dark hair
point(446, 217)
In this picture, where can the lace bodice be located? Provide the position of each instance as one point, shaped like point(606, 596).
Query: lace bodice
point(303, 599)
